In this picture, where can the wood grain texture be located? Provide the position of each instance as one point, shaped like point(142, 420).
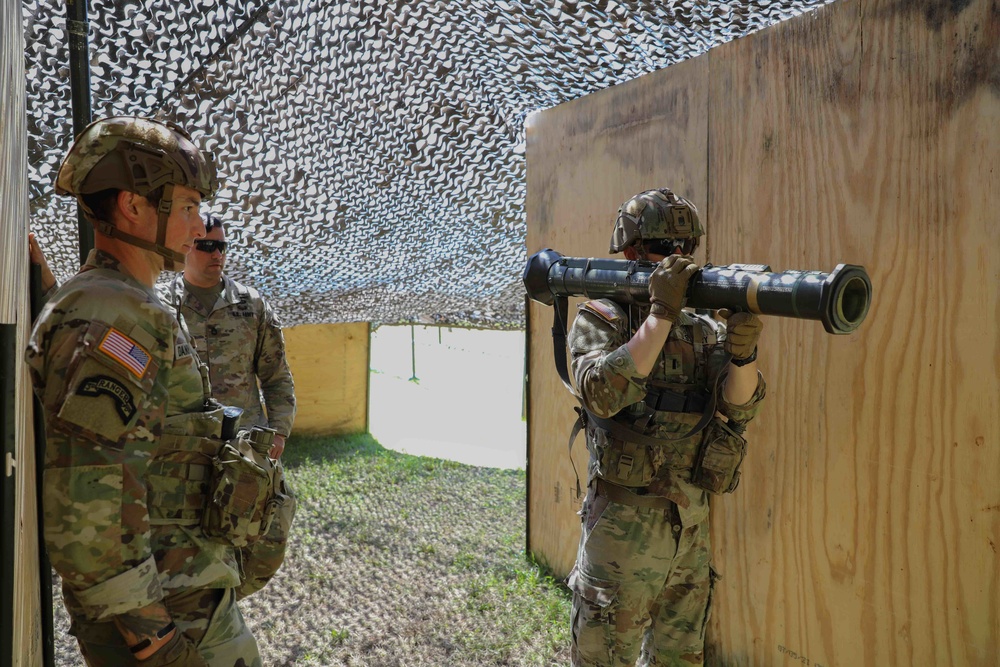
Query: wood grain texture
point(584, 159)
point(14, 309)
point(865, 532)
point(867, 526)
point(329, 364)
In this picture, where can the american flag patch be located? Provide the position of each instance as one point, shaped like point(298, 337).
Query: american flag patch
point(126, 351)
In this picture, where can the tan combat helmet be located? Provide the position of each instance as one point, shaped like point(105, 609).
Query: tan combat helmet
point(656, 215)
point(137, 155)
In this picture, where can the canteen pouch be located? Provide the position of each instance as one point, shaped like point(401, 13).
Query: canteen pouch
point(239, 510)
point(260, 561)
point(717, 467)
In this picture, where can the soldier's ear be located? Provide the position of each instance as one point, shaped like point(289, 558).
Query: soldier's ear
point(127, 205)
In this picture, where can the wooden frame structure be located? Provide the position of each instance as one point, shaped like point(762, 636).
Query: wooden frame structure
point(866, 530)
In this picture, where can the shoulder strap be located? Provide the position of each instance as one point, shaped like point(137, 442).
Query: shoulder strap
point(578, 425)
point(560, 348)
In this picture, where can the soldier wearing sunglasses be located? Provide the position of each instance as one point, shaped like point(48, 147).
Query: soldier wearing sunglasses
point(237, 335)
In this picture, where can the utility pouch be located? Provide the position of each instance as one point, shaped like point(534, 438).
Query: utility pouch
point(238, 510)
point(260, 561)
point(717, 467)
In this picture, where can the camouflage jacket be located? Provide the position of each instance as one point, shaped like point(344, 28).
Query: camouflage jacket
point(111, 368)
point(241, 341)
point(692, 360)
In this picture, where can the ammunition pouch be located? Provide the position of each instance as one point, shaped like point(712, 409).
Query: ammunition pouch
point(665, 400)
point(239, 508)
point(206, 473)
point(627, 459)
point(717, 468)
point(178, 477)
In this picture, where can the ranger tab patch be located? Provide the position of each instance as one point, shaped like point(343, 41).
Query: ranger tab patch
point(125, 351)
point(102, 385)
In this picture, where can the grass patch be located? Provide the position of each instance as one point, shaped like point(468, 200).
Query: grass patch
point(407, 560)
point(399, 560)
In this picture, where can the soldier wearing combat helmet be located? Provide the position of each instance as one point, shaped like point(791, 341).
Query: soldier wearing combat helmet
point(664, 391)
point(131, 430)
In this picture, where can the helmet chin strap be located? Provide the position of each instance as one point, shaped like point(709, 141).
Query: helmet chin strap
point(172, 260)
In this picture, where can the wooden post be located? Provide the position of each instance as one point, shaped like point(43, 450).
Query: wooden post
point(19, 572)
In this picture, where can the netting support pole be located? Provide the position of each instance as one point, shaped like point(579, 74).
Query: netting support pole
point(79, 78)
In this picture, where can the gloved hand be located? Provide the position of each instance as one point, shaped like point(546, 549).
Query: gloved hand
point(178, 652)
point(668, 286)
point(742, 331)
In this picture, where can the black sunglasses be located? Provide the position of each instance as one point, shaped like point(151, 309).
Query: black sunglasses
point(211, 245)
point(668, 246)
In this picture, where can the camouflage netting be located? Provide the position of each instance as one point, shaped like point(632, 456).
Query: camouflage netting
point(372, 151)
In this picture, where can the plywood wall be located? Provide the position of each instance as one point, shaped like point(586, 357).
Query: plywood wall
point(21, 645)
point(584, 158)
point(867, 526)
point(329, 363)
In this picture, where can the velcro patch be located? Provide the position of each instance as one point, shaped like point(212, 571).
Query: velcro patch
point(102, 385)
point(125, 351)
point(673, 364)
point(182, 349)
point(602, 310)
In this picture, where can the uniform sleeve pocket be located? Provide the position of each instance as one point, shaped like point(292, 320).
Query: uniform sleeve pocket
point(83, 517)
point(107, 382)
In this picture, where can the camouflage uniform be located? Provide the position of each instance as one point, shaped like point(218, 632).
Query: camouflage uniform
point(124, 478)
point(241, 341)
point(643, 577)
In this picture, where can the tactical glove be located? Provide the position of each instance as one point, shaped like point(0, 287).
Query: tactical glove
point(178, 652)
point(742, 331)
point(668, 286)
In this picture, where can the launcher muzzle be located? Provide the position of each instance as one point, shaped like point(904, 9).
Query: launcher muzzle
point(839, 299)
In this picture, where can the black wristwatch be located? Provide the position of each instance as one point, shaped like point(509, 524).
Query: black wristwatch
point(146, 643)
point(746, 360)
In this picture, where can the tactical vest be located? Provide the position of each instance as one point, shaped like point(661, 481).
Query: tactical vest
point(203, 474)
point(647, 439)
point(207, 473)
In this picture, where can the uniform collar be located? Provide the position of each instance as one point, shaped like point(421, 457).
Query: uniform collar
point(102, 259)
point(230, 290)
point(230, 294)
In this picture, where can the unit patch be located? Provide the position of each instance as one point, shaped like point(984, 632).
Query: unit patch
point(125, 351)
point(102, 385)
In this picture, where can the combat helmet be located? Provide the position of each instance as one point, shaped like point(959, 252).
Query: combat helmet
point(137, 155)
point(656, 215)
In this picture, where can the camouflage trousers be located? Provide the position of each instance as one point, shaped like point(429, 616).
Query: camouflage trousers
point(209, 618)
point(642, 587)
